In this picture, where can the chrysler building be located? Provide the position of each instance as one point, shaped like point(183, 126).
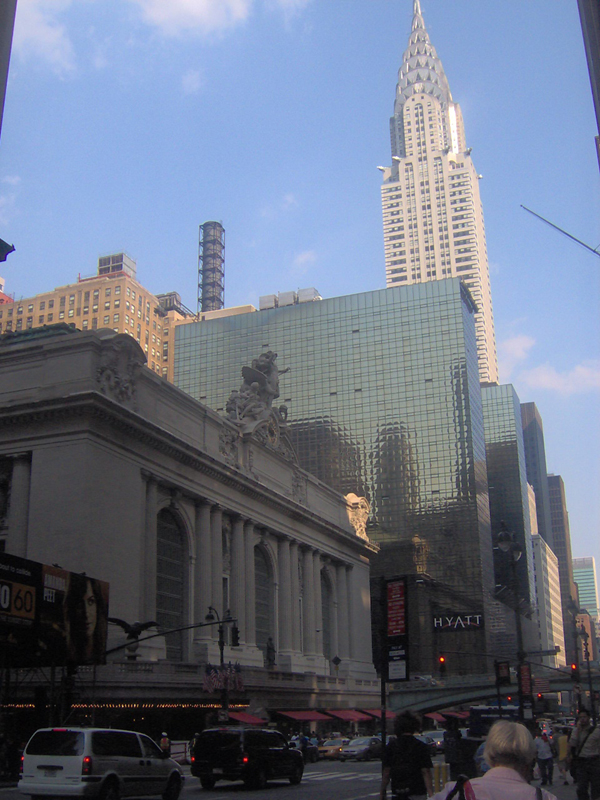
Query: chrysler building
point(432, 217)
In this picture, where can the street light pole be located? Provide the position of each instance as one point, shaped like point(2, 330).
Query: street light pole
point(212, 613)
point(513, 549)
point(585, 636)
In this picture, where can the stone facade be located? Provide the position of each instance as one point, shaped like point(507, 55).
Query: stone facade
point(107, 468)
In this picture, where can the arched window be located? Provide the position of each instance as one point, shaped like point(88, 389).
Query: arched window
point(170, 581)
point(326, 601)
point(265, 622)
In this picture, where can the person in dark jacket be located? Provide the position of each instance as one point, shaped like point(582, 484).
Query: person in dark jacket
point(406, 762)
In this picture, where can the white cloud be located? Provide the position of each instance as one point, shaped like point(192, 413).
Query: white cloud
point(192, 81)
point(302, 262)
point(39, 34)
point(289, 7)
point(582, 378)
point(287, 202)
point(12, 180)
point(174, 17)
point(512, 352)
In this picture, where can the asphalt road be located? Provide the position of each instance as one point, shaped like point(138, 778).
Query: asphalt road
point(350, 780)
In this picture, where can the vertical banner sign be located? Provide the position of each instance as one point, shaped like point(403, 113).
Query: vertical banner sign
point(397, 630)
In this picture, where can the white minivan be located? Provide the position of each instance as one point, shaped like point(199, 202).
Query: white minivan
point(97, 762)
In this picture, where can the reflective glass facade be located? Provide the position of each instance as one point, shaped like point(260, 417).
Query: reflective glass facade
point(507, 479)
point(384, 401)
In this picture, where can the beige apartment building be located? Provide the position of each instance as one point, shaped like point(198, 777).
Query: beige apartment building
point(113, 299)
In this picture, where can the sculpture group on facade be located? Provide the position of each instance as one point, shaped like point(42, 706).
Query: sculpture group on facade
point(254, 400)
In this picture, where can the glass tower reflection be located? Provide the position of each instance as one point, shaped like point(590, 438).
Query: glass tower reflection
point(384, 401)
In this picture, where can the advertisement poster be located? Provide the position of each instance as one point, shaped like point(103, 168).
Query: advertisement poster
point(49, 616)
point(397, 630)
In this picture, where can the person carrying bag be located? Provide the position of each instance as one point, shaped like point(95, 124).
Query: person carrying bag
point(510, 752)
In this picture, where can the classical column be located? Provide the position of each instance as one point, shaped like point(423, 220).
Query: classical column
point(216, 541)
point(318, 603)
point(285, 595)
point(238, 573)
point(295, 586)
point(18, 521)
point(149, 551)
point(203, 567)
point(308, 601)
point(351, 629)
point(333, 615)
point(343, 621)
point(250, 632)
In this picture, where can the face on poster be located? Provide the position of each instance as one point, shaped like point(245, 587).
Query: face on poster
point(51, 616)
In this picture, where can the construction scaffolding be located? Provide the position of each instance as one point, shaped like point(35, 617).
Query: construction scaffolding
point(211, 267)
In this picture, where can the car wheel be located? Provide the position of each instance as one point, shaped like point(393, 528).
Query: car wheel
point(296, 775)
point(342, 758)
point(207, 782)
point(110, 790)
point(173, 789)
point(368, 755)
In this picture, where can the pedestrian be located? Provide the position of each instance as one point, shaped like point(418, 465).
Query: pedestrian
point(584, 758)
point(545, 757)
point(561, 743)
point(165, 743)
point(407, 762)
point(510, 752)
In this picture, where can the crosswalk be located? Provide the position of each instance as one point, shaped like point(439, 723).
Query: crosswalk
point(342, 775)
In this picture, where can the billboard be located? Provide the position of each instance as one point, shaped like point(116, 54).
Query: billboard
point(49, 616)
point(397, 630)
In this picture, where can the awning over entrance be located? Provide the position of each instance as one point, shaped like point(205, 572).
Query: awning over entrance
point(347, 714)
point(247, 719)
point(456, 714)
point(374, 712)
point(305, 716)
point(435, 716)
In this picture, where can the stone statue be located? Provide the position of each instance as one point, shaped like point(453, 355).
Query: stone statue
point(358, 513)
point(254, 400)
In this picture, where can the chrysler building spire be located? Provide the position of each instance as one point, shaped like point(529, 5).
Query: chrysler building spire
point(432, 217)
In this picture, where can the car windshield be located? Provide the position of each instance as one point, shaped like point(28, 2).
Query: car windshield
point(361, 741)
point(56, 743)
point(333, 743)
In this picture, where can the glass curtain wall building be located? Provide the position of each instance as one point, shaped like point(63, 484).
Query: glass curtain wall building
point(507, 477)
point(383, 400)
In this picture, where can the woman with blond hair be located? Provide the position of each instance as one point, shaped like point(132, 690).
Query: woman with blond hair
point(510, 752)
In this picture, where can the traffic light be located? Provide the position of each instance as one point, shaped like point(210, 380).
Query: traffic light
point(235, 636)
point(575, 673)
point(442, 665)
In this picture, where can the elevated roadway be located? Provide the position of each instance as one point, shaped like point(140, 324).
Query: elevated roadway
point(425, 696)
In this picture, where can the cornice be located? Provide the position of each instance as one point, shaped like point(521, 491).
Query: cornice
point(128, 424)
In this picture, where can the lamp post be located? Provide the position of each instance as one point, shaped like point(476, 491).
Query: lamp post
point(210, 617)
point(585, 636)
point(507, 545)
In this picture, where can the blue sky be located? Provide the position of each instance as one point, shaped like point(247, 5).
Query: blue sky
point(130, 122)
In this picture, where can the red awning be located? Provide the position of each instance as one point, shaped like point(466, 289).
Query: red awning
point(435, 716)
point(456, 714)
point(374, 712)
point(347, 714)
point(305, 716)
point(248, 719)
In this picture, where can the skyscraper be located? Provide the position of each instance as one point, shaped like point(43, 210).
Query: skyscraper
point(537, 474)
point(561, 537)
point(584, 574)
point(432, 216)
point(383, 400)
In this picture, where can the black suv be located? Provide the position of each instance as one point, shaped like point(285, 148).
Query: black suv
point(252, 755)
